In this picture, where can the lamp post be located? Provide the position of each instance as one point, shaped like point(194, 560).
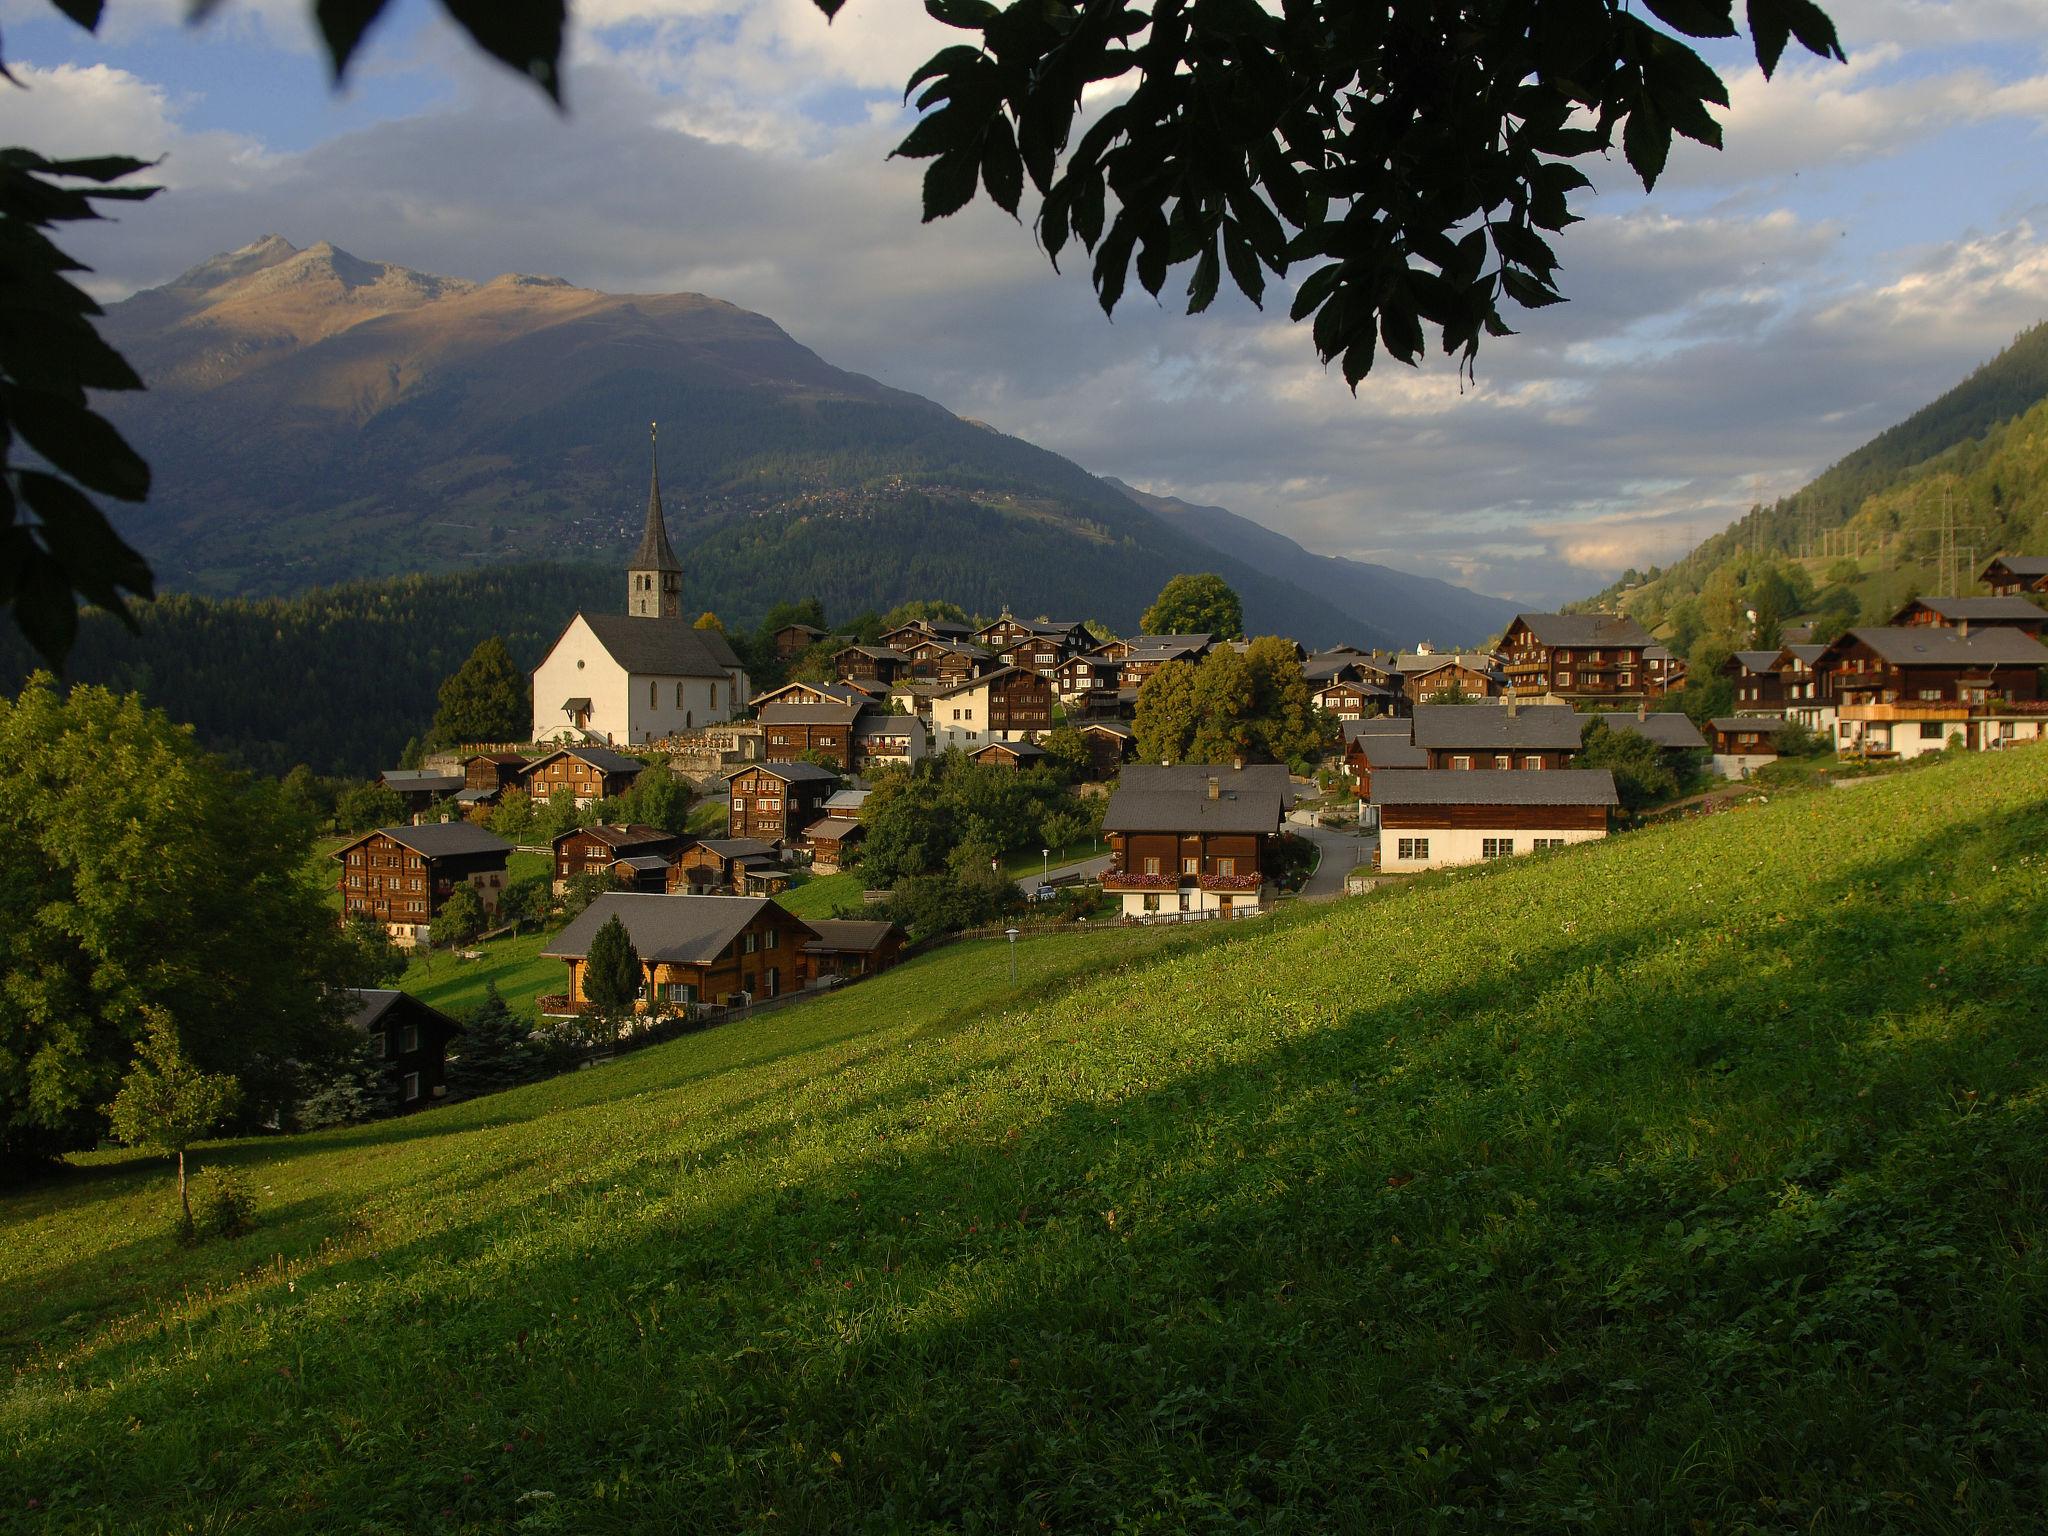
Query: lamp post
point(1011, 935)
point(1045, 866)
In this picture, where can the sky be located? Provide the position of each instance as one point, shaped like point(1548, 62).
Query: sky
point(1870, 233)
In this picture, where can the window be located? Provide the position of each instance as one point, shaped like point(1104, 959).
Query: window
point(412, 1086)
point(1190, 866)
point(1932, 730)
point(384, 1045)
point(1929, 695)
point(1151, 866)
point(1151, 903)
point(410, 1039)
point(1412, 848)
point(679, 695)
point(767, 803)
point(651, 685)
point(1532, 762)
point(749, 944)
point(1503, 760)
point(1627, 678)
point(1543, 844)
point(1564, 679)
point(772, 939)
point(1461, 762)
point(1496, 847)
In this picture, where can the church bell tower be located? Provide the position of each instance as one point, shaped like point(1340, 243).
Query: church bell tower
point(654, 576)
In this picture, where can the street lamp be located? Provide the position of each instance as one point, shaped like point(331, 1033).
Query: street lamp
point(1045, 866)
point(1011, 935)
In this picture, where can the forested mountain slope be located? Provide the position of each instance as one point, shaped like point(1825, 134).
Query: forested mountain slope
point(1574, 1191)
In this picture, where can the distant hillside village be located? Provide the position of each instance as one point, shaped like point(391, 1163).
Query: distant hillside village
point(1203, 773)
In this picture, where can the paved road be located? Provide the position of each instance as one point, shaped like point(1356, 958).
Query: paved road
point(1342, 851)
point(1095, 866)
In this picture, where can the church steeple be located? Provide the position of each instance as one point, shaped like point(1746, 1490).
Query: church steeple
point(654, 576)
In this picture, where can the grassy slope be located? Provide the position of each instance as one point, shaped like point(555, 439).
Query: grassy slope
point(1693, 1177)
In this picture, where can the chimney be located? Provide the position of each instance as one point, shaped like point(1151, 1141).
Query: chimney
point(1514, 706)
point(1215, 787)
point(1964, 626)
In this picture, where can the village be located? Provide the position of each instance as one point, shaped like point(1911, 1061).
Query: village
point(1412, 762)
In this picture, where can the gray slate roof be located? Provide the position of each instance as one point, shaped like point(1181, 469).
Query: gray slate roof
point(1585, 629)
point(789, 773)
point(737, 847)
point(662, 647)
point(654, 553)
point(674, 930)
point(603, 759)
point(1380, 725)
point(1171, 642)
point(1496, 728)
point(1494, 786)
point(832, 829)
point(1768, 725)
point(1927, 645)
point(1155, 798)
point(441, 840)
point(1755, 661)
point(1807, 653)
point(856, 934)
point(615, 836)
point(2023, 565)
point(372, 1003)
point(1107, 727)
point(423, 779)
point(1669, 730)
point(1392, 752)
point(1981, 610)
point(811, 714)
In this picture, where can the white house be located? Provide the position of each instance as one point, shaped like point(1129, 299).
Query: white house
point(642, 675)
point(1431, 818)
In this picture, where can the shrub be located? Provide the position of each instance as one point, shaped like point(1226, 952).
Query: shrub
point(221, 1204)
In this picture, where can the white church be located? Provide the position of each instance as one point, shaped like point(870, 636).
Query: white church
point(625, 679)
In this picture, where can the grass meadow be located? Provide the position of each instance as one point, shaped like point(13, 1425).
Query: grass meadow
point(1694, 1181)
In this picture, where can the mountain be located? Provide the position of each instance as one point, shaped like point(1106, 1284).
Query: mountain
point(315, 418)
point(1376, 597)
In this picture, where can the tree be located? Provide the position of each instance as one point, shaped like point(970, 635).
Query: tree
point(370, 958)
point(658, 798)
point(495, 1049)
point(413, 754)
point(512, 816)
point(462, 915)
point(1200, 604)
point(582, 890)
point(1641, 776)
point(143, 872)
point(365, 806)
point(611, 972)
point(349, 1089)
point(167, 1103)
point(1067, 753)
point(1166, 715)
point(1061, 830)
point(919, 608)
point(1223, 708)
point(526, 899)
point(709, 620)
point(1286, 725)
point(486, 699)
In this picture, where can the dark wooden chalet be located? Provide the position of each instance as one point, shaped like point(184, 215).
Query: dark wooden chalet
point(853, 947)
point(1759, 685)
point(1379, 743)
point(487, 775)
point(875, 664)
point(724, 864)
point(1192, 839)
point(1012, 755)
point(596, 849)
point(888, 740)
point(771, 801)
point(588, 773)
point(1800, 685)
point(411, 1042)
point(904, 636)
point(1591, 656)
point(1110, 745)
point(1471, 737)
point(1039, 644)
point(946, 661)
point(1966, 613)
point(792, 640)
point(833, 842)
point(2009, 575)
point(1676, 737)
point(694, 949)
point(791, 730)
point(1435, 679)
point(1091, 672)
point(1353, 698)
point(1746, 736)
point(420, 789)
point(402, 876)
point(1933, 664)
point(1665, 671)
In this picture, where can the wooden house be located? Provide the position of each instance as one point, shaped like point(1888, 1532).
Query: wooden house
point(1432, 819)
point(420, 789)
point(1381, 742)
point(1437, 678)
point(1012, 755)
point(487, 775)
point(1110, 745)
point(771, 801)
point(1191, 840)
point(1910, 690)
point(411, 1043)
point(597, 849)
point(588, 773)
point(1144, 660)
point(792, 640)
point(814, 693)
point(875, 664)
point(2010, 575)
point(403, 876)
point(852, 947)
point(1009, 704)
point(885, 740)
point(726, 864)
point(1759, 685)
point(1665, 671)
point(694, 949)
point(1037, 644)
point(1594, 657)
point(833, 842)
point(792, 730)
point(1507, 737)
point(1676, 737)
point(2008, 612)
point(1091, 672)
point(1743, 742)
point(905, 635)
point(946, 661)
point(1802, 688)
point(1353, 699)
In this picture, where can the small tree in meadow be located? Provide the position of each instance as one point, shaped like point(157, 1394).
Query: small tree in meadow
point(462, 915)
point(611, 973)
point(495, 1048)
point(167, 1104)
point(373, 960)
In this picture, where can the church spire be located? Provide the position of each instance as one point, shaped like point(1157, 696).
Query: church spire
point(654, 576)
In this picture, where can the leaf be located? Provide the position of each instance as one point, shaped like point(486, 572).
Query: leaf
point(1696, 18)
point(95, 560)
point(85, 12)
point(1646, 140)
point(525, 34)
point(1112, 262)
point(969, 14)
point(934, 134)
point(1316, 288)
point(1358, 360)
point(1202, 286)
point(342, 25)
point(831, 8)
point(949, 183)
point(1244, 263)
point(43, 605)
point(1527, 291)
point(77, 442)
point(949, 61)
point(1771, 29)
point(1401, 330)
point(1002, 168)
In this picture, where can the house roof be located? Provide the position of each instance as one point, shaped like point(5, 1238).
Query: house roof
point(1391, 752)
point(614, 835)
point(812, 714)
point(1768, 725)
point(1584, 629)
point(1928, 645)
point(1806, 653)
point(1495, 727)
point(2012, 609)
point(1022, 749)
point(789, 773)
point(514, 758)
point(1157, 798)
point(737, 847)
point(809, 629)
point(879, 652)
point(2023, 565)
point(876, 723)
point(373, 1003)
point(644, 861)
point(1494, 786)
point(832, 829)
point(1033, 626)
point(1108, 728)
point(603, 759)
point(438, 840)
point(1380, 725)
point(1190, 642)
point(846, 799)
point(1668, 729)
point(674, 930)
point(1755, 661)
point(575, 705)
point(947, 690)
point(419, 779)
point(475, 796)
point(660, 647)
point(1430, 661)
point(849, 935)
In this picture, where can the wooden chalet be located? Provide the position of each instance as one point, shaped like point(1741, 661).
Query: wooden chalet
point(2010, 575)
point(1759, 685)
point(852, 947)
point(1377, 743)
point(1008, 704)
point(771, 801)
point(904, 636)
point(1433, 819)
point(1665, 670)
point(1435, 679)
point(792, 640)
point(411, 1041)
point(1190, 840)
point(1144, 660)
point(1506, 737)
point(1354, 699)
point(833, 842)
point(1909, 690)
point(420, 789)
point(737, 865)
point(1038, 644)
point(1676, 737)
point(1801, 687)
point(1596, 657)
point(588, 773)
point(946, 661)
point(1092, 672)
point(875, 664)
point(1743, 742)
point(883, 740)
point(403, 876)
point(1110, 745)
point(814, 693)
point(791, 730)
point(1013, 755)
point(598, 849)
point(2009, 612)
point(487, 775)
point(694, 949)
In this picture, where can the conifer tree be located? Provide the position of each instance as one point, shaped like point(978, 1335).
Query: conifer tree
point(485, 699)
point(495, 1048)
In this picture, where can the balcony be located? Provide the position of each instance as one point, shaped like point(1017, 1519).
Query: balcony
point(1232, 882)
point(1114, 879)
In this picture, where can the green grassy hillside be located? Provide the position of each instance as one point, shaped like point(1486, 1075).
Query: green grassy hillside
point(1694, 1181)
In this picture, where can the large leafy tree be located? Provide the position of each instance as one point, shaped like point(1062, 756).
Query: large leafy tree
point(138, 872)
point(1411, 158)
point(486, 699)
point(1198, 603)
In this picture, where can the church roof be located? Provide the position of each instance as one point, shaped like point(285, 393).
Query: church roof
point(662, 647)
point(655, 552)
